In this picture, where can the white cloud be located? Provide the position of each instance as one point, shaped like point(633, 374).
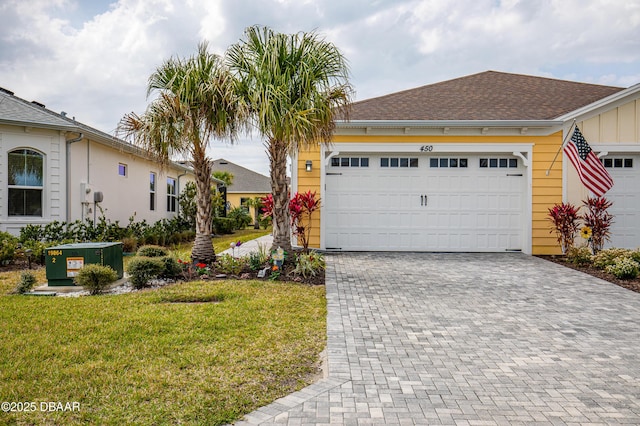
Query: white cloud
point(93, 59)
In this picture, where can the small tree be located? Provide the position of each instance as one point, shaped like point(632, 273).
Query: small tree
point(599, 220)
point(565, 220)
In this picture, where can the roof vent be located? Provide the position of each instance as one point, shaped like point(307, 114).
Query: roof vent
point(63, 113)
point(7, 91)
point(38, 104)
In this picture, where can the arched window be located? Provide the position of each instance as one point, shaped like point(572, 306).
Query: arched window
point(26, 170)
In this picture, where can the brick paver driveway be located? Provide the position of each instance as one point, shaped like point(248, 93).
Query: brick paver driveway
point(425, 338)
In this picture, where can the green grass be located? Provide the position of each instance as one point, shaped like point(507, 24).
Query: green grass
point(192, 353)
point(221, 242)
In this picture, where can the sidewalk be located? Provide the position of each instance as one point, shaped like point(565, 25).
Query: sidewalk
point(250, 246)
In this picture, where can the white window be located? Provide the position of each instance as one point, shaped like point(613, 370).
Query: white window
point(25, 170)
point(152, 191)
point(172, 199)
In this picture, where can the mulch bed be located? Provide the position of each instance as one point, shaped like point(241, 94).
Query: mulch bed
point(633, 284)
point(286, 274)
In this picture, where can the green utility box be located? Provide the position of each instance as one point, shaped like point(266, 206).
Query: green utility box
point(64, 261)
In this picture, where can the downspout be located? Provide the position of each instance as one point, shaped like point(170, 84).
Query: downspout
point(68, 171)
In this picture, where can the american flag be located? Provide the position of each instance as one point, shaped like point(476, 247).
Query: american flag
point(592, 173)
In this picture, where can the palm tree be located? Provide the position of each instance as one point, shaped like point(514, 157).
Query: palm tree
point(295, 86)
point(197, 101)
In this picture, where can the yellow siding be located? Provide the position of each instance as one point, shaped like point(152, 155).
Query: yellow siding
point(310, 181)
point(608, 126)
point(546, 191)
point(627, 123)
point(619, 125)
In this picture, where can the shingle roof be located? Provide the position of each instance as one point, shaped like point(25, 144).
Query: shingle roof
point(244, 180)
point(18, 111)
point(489, 95)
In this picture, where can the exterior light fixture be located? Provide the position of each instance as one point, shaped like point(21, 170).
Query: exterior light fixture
point(308, 165)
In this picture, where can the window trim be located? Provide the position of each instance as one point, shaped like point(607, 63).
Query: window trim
point(152, 191)
point(172, 196)
point(25, 188)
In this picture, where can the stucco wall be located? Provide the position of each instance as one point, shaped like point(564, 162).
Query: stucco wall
point(95, 166)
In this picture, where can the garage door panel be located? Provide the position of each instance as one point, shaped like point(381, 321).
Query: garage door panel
point(465, 209)
point(625, 195)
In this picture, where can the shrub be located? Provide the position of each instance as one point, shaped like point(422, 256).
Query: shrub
point(152, 251)
point(607, 257)
point(223, 225)
point(26, 282)
point(129, 244)
point(171, 269)
point(256, 261)
point(228, 264)
point(623, 268)
point(635, 255)
point(579, 255)
point(564, 218)
point(309, 264)
point(95, 278)
point(142, 269)
point(8, 246)
point(599, 220)
point(241, 218)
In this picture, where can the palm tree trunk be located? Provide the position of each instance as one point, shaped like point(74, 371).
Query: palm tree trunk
point(280, 193)
point(203, 247)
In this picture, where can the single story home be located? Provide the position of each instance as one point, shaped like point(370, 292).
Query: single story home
point(246, 184)
point(54, 168)
point(468, 165)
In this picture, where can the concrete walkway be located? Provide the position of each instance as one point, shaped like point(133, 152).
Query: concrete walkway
point(251, 245)
point(470, 339)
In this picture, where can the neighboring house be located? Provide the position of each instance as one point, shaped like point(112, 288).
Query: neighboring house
point(55, 168)
point(246, 184)
point(462, 165)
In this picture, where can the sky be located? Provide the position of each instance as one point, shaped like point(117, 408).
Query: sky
point(92, 58)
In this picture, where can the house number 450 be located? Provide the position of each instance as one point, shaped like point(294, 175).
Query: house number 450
point(426, 148)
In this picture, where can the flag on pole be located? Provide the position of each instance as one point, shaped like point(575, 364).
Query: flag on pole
point(592, 173)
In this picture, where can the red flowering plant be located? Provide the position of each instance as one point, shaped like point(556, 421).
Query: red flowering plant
point(191, 271)
point(599, 220)
point(301, 208)
point(267, 206)
point(565, 220)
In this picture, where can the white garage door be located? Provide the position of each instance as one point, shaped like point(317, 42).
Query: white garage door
point(438, 202)
point(625, 195)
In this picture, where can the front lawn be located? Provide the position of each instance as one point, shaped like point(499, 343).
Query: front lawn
point(188, 353)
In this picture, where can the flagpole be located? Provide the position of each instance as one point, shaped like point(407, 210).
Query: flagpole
point(561, 146)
